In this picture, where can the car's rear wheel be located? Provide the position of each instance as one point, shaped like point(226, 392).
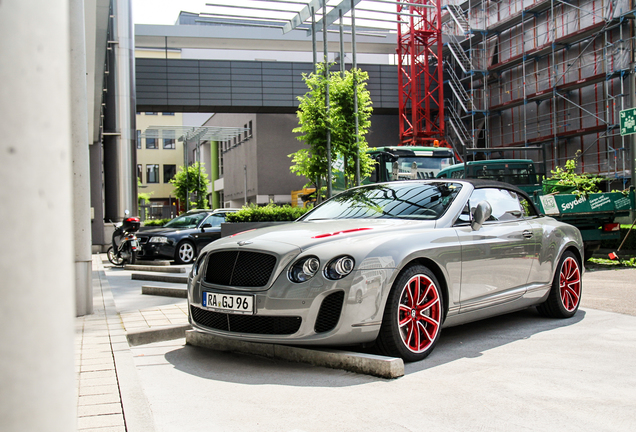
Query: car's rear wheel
point(565, 294)
point(413, 314)
point(185, 253)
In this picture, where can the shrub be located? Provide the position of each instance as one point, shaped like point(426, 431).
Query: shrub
point(565, 180)
point(156, 222)
point(268, 213)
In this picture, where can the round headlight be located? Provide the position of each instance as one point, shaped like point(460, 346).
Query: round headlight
point(339, 267)
point(304, 269)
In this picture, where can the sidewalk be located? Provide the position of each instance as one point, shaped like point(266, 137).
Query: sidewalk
point(110, 398)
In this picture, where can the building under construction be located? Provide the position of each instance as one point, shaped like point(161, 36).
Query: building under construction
point(545, 73)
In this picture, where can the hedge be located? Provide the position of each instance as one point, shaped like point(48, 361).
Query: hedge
point(268, 213)
point(156, 222)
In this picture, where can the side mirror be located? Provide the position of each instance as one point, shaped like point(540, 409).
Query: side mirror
point(480, 215)
point(205, 225)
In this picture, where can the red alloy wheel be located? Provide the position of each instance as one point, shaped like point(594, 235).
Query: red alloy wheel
point(420, 313)
point(570, 284)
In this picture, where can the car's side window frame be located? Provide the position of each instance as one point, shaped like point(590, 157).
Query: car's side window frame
point(480, 194)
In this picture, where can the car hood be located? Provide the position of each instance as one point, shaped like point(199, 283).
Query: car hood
point(305, 234)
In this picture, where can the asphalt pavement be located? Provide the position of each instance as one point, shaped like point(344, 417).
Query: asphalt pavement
point(520, 371)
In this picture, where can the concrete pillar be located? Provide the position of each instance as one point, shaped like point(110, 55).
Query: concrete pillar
point(37, 304)
point(80, 155)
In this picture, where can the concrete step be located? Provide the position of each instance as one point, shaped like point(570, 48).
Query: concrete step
point(161, 269)
point(159, 278)
point(164, 291)
point(156, 263)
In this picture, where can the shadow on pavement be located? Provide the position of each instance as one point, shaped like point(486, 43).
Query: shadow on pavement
point(466, 341)
point(472, 339)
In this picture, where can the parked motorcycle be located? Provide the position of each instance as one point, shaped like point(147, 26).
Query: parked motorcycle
point(125, 245)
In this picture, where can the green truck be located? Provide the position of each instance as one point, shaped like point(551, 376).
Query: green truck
point(594, 214)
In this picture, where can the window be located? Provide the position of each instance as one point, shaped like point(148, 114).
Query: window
point(215, 220)
point(152, 173)
point(168, 113)
point(139, 174)
point(138, 139)
point(506, 205)
point(169, 171)
point(250, 128)
point(168, 140)
point(151, 138)
point(245, 132)
point(151, 113)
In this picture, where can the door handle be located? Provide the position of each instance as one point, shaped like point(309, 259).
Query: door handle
point(527, 234)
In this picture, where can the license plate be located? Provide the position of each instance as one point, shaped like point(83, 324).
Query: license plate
point(240, 304)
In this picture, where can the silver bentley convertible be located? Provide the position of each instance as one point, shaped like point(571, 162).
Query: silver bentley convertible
point(389, 264)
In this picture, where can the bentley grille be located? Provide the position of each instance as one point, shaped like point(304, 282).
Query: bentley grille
point(239, 268)
point(253, 324)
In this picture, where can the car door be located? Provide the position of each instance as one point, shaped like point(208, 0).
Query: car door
point(209, 230)
point(498, 257)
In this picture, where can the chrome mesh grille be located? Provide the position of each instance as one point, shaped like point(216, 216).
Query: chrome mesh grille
point(239, 268)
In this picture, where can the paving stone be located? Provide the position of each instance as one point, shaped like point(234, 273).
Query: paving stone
point(99, 389)
point(101, 409)
point(99, 399)
point(100, 421)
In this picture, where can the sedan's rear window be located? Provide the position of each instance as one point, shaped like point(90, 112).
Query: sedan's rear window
point(408, 200)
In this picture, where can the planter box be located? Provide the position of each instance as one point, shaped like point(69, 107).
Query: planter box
point(229, 228)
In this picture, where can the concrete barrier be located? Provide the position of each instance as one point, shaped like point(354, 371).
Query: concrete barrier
point(159, 278)
point(369, 364)
point(159, 269)
point(164, 291)
point(158, 334)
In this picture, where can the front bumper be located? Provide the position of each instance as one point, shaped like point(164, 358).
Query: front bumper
point(316, 312)
point(156, 250)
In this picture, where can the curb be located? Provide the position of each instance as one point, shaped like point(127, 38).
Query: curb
point(157, 263)
point(164, 291)
point(158, 334)
point(159, 278)
point(159, 269)
point(368, 364)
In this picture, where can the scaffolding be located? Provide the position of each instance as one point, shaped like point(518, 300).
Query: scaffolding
point(532, 73)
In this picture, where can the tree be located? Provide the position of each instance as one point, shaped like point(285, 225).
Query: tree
point(314, 121)
point(190, 181)
point(143, 199)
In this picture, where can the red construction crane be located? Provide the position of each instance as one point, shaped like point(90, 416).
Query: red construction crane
point(420, 75)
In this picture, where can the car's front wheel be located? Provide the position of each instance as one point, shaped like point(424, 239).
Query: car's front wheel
point(565, 295)
point(413, 315)
point(185, 253)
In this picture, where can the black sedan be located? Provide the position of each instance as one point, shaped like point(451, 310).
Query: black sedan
point(182, 238)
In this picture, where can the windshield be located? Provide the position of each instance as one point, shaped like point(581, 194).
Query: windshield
point(187, 220)
point(419, 201)
point(426, 167)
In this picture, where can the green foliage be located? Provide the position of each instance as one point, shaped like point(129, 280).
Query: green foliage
point(189, 181)
point(603, 262)
point(584, 184)
point(314, 121)
point(156, 222)
point(268, 213)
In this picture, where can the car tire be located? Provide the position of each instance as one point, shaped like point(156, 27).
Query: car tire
point(110, 253)
point(565, 295)
point(413, 315)
point(185, 253)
